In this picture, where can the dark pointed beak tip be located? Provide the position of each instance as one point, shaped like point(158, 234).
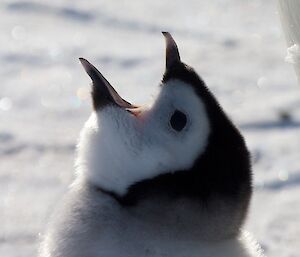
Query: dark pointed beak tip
point(89, 68)
point(85, 63)
point(82, 59)
point(103, 92)
point(166, 34)
point(172, 53)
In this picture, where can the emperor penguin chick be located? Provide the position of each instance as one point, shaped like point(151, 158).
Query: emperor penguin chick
point(169, 180)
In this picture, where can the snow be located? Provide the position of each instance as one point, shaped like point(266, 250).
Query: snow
point(237, 47)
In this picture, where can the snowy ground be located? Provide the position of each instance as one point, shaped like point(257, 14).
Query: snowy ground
point(238, 48)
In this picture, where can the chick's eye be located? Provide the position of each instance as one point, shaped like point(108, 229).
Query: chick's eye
point(178, 120)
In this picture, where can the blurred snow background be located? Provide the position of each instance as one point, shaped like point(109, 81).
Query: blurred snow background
point(238, 48)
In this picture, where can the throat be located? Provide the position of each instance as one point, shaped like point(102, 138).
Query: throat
point(180, 218)
point(122, 200)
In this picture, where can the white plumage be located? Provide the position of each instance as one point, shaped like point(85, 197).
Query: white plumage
point(138, 188)
point(89, 224)
point(106, 146)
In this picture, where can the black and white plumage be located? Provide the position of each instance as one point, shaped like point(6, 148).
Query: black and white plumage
point(172, 179)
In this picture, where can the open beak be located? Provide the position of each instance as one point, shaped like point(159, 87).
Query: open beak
point(103, 93)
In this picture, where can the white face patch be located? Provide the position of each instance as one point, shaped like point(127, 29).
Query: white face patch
point(117, 149)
